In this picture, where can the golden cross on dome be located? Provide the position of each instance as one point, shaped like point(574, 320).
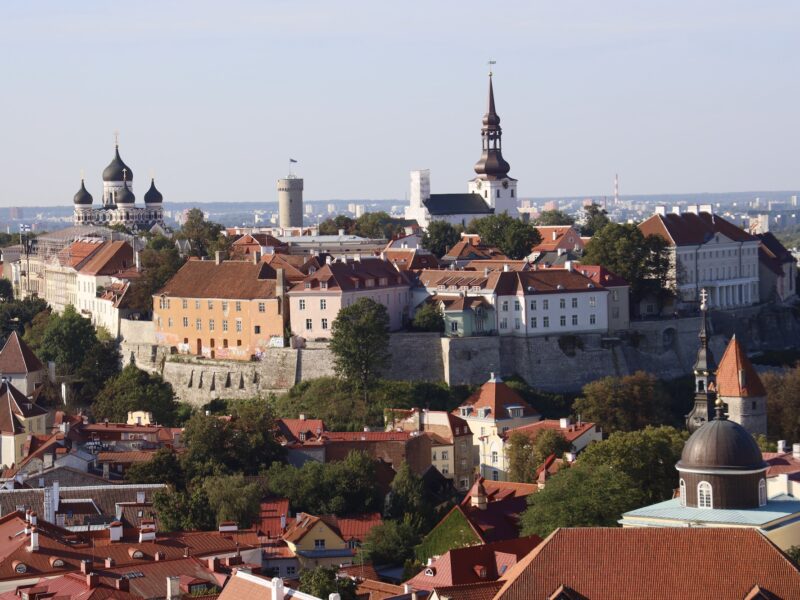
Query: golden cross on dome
point(116, 138)
point(703, 299)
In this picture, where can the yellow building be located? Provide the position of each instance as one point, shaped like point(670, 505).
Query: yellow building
point(20, 417)
point(317, 543)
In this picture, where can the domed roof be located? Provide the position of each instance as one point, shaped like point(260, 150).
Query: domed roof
point(721, 444)
point(492, 165)
point(125, 196)
point(117, 170)
point(152, 195)
point(83, 196)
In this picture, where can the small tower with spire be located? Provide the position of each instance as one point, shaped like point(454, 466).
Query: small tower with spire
point(741, 389)
point(705, 368)
point(493, 183)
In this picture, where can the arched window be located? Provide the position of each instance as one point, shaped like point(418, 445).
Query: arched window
point(705, 497)
point(762, 493)
point(683, 492)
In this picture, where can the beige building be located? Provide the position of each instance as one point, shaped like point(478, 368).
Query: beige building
point(20, 418)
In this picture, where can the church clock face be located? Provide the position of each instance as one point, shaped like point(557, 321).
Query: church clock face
point(479, 184)
point(505, 183)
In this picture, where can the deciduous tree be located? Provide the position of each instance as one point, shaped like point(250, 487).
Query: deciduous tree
point(511, 236)
point(164, 467)
point(553, 217)
point(439, 237)
point(321, 582)
point(594, 219)
point(134, 389)
point(783, 404)
point(429, 318)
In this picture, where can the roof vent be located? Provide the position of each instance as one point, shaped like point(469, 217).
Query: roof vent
point(560, 286)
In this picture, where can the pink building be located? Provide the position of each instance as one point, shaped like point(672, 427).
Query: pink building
point(315, 302)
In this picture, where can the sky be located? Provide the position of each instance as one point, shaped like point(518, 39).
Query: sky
point(677, 96)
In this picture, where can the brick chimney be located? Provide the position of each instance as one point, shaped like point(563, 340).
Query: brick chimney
point(92, 580)
point(86, 566)
point(115, 531)
point(122, 584)
point(34, 539)
point(173, 587)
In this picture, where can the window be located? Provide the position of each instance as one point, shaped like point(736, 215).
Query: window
point(563, 320)
point(533, 322)
point(309, 324)
point(516, 305)
point(533, 304)
point(238, 306)
point(324, 323)
point(545, 304)
point(197, 304)
point(319, 544)
point(323, 285)
point(198, 325)
point(224, 306)
point(238, 325)
point(683, 492)
point(704, 495)
point(185, 321)
point(562, 303)
point(574, 303)
point(323, 304)
point(592, 301)
point(444, 455)
point(184, 303)
point(592, 319)
point(210, 305)
point(762, 493)
point(495, 475)
point(257, 329)
point(225, 325)
point(505, 306)
point(169, 322)
point(503, 323)
point(211, 324)
point(454, 326)
point(516, 324)
point(545, 321)
point(262, 307)
point(574, 319)
point(494, 457)
point(445, 470)
point(302, 304)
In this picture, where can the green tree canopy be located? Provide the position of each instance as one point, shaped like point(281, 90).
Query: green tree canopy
point(184, 510)
point(360, 342)
point(407, 497)
point(206, 236)
point(66, 340)
point(134, 389)
point(159, 262)
point(581, 496)
point(429, 318)
point(648, 456)
point(233, 498)
point(526, 455)
point(594, 219)
point(783, 403)
point(440, 236)
point(511, 236)
point(332, 226)
point(6, 290)
point(624, 403)
point(164, 467)
point(553, 217)
point(321, 582)
point(392, 542)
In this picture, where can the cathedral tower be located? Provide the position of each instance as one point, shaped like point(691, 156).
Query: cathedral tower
point(705, 368)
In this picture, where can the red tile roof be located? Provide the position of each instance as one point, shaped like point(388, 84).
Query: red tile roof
point(410, 259)
point(111, 258)
point(356, 527)
point(505, 503)
point(14, 406)
point(779, 463)
point(465, 249)
point(658, 563)
point(367, 436)
point(77, 252)
point(351, 275)
point(689, 229)
point(558, 236)
point(125, 457)
point(292, 430)
point(497, 397)
point(601, 276)
point(736, 376)
point(461, 566)
point(484, 590)
point(270, 516)
point(237, 280)
point(17, 357)
point(571, 433)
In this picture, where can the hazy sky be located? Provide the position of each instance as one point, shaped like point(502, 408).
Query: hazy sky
point(676, 96)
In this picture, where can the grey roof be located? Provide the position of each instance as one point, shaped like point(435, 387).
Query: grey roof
point(83, 196)
point(152, 195)
point(778, 507)
point(126, 195)
point(457, 204)
point(117, 170)
point(721, 444)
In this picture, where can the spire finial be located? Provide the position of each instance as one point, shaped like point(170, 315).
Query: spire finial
point(82, 177)
point(125, 175)
point(703, 300)
point(720, 405)
point(491, 63)
point(116, 138)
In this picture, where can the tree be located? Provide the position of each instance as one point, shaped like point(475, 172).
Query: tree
point(429, 318)
point(440, 237)
point(159, 262)
point(360, 342)
point(794, 554)
point(16, 315)
point(164, 467)
point(642, 261)
point(392, 542)
point(581, 496)
point(525, 455)
point(66, 340)
point(623, 403)
point(783, 404)
point(203, 234)
point(6, 290)
point(184, 511)
point(553, 217)
point(594, 219)
point(333, 226)
point(511, 236)
point(407, 497)
point(134, 389)
point(232, 498)
point(648, 456)
point(321, 582)
point(99, 366)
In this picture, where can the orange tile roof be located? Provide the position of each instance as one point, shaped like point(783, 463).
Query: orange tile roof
point(77, 252)
point(126, 457)
point(689, 229)
point(238, 280)
point(465, 249)
point(736, 376)
point(558, 236)
point(111, 258)
point(351, 275)
point(356, 527)
point(484, 590)
point(270, 516)
point(17, 357)
point(658, 563)
point(571, 433)
point(497, 397)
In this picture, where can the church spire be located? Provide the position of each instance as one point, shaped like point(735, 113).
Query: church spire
point(705, 368)
point(491, 165)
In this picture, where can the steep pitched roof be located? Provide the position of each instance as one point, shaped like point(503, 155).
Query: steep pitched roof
point(571, 432)
point(597, 563)
point(17, 357)
point(238, 280)
point(774, 247)
point(558, 236)
point(351, 275)
point(111, 258)
point(485, 590)
point(736, 376)
point(689, 229)
point(505, 503)
point(497, 397)
point(466, 249)
point(410, 259)
point(601, 276)
point(14, 405)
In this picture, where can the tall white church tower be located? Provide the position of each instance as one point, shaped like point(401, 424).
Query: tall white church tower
point(493, 183)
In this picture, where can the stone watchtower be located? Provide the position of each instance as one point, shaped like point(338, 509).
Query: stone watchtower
point(290, 201)
point(740, 387)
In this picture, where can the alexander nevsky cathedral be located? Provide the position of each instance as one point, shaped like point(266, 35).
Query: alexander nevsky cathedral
point(119, 203)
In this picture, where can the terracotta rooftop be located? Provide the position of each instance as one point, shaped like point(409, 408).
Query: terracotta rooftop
point(736, 376)
point(270, 516)
point(299, 430)
point(571, 432)
point(558, 236)
point(467, 250)
point(110, 258)
point(15, 406)
point(16, 357)
point(601, 276)
point(497, 397)
point(779, 463)
point(691, 563)
point(236, 280)
point(484, 590)
point(689, 229)
point(410, 259)
point(125, 457)
point(77, 252)
point(338, 276)
point(505, 503)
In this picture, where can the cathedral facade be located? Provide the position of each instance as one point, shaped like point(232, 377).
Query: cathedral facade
point(118, 203)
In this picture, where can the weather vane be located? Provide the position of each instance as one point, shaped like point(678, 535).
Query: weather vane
point(491, 63)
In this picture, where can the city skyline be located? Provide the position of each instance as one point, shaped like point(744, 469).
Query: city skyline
point(676, 99)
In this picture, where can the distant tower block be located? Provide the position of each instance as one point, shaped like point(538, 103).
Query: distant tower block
point(290, 201)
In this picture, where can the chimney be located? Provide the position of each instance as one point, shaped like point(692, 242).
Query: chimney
point(782, 446)
point(92, 580)
point(28, 515)
point(86, 567)
point(661, 210)
point(34, 539)
point(173, 587)
point(159, 556)
point(277, 589)
point(256, 257)
point(341, 232)
point(213, 564)
point(406, 588)
point(34, 518)
point(56, 496)
point(555, 236)
point(564, 422)
point(121, 584)
point(302, 417)
point(228, 526)
point(218, 257)
point(796, 451)
point(115, 531)
point(280, 283)
point(283, 522)
point(568, 265)
point(334, 596)
point(137, 260)
point(505, 268)
point(109, 563)
point(140, 497)
point(147, 533)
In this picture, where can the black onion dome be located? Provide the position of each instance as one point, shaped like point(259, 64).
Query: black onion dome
point(492, 164)
point(153, 196)
point(721, 444)
point(117, 170)
point(83, 196)
point(125, 195)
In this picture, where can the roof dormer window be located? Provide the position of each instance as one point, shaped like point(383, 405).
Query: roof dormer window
point(308, 285)
point(323, 285)
point(466, 411)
